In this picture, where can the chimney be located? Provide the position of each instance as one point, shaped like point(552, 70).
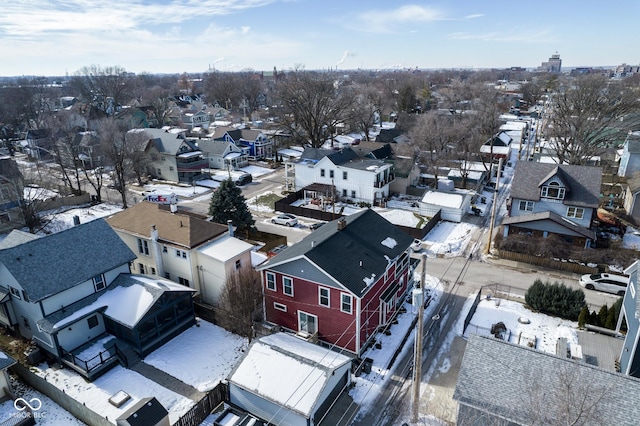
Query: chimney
point(313, 243)
point(154, 234)
point(230, 225)
point(173, 207)
point(342, 223)
point(76, 220)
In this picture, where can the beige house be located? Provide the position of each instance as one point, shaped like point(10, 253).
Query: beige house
point(181, 247)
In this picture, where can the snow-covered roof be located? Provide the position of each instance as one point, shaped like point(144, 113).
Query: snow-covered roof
point(307, 368)
point(444, 199)
point(225, 248)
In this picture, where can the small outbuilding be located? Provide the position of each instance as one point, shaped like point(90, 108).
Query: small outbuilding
point(146, 412)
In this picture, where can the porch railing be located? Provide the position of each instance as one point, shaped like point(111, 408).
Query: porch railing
point(90, 365)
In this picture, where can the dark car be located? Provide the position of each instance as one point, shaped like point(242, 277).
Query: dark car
point(315, 226)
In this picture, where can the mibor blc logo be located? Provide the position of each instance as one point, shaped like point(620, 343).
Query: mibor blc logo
point(34, 404)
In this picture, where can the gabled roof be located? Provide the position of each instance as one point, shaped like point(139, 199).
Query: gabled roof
point(583, 182)
point(342, 156)
point(9, 168)
point(375, 150)
point(57, 262)
point(175, 228)
point(516, 383)
point(216, 147)
point(388, 135)
point(314, 155)
point(307, 367)
point(354, 256)
point(236, 134)
point(169, 141)
point(6, 361)
point(17, 237)
point(554, 217)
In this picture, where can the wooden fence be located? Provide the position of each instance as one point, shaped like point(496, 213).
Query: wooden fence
point(196, 415)
point(542, 262)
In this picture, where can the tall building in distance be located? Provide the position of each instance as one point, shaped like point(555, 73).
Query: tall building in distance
point(553, 65)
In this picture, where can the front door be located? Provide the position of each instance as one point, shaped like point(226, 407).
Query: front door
point(307, 323)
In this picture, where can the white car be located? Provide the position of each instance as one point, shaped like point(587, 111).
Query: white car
point(610, 283)
point(285, 219)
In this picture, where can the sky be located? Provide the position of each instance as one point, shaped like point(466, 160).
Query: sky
point(59, 37)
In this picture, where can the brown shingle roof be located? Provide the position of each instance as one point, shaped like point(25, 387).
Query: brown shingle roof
point(178, 228)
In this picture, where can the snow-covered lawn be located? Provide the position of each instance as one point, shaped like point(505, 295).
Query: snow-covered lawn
point(547, 330)
point(448, 239)
point(200, 356)
point(62, 219)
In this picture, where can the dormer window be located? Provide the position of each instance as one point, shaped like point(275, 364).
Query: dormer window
point(553, 190)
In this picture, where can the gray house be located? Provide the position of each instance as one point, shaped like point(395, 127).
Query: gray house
point(630, 355)
point(630, 157)
point(554, 199)
point(505, 384)
point(224, 155)
point(315, 376)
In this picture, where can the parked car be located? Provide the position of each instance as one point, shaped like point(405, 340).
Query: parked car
point(416, 245)
point(316, 225)
point(285, 219)
point(610, 283)
point(277, 249)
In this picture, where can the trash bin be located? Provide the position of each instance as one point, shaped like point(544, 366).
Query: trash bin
point(366, 365)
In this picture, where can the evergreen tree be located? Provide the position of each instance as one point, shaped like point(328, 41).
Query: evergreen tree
point(612, 319)
point(583, 318)
point(602, 315)
point(228, 203)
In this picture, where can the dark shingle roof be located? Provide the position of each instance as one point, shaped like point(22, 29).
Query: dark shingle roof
point(525, 219)
point(147, 411)
point(54, 263)
point(583, 182)
point(519, 384)
point(342, 156)
point(350, 256)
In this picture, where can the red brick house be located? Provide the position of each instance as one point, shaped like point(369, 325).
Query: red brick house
point(341, 283)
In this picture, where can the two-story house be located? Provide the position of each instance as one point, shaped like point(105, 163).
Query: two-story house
point(497, 147)
point(341, 283)
point(182, 247)
point(257, 143)
point(223, 155)
point(630, 314)
point(554, 199)
point(173, 156)
point(72, 290)
point(38, 144)
point(11, 195)
point(359, 179)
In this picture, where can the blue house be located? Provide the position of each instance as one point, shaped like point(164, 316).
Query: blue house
point(630, 356)
point(257, 145)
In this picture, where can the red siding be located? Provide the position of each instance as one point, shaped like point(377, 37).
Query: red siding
point(334, 326)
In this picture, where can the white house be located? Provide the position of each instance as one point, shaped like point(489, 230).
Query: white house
point(315, 376)
point(181, 247)
point(355, 178)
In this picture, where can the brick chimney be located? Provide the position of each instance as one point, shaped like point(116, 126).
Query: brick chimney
point(342, 223)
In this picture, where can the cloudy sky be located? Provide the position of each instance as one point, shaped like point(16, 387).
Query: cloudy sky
point(54, 37)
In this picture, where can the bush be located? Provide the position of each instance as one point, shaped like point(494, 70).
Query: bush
point(583, 318)
point(555, 299)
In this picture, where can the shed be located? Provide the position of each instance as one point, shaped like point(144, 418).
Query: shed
point(146, 412)
point(452, 204)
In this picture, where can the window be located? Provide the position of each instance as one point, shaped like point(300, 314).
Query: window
point(344, 175)
point(238, 264)
point(25, 322)
point(323, 296)
point(163, 158)
point(153, 271)
point(575, 212)
point(167, 275)
point(271, 281)
point(344, 192)
point(165, 249)
point(92, 321)
point(183, 281)
point(345, 303)
point(331, 174)
point(353, 194)
point(98, 282)
point(279, 307)
point(143, 246)
point(170, 168)
point(287, 286)
point(15, 292)
point(321, 172)
point(141, 268)
point(24, 296)
point(526, 206)
point(553, 190)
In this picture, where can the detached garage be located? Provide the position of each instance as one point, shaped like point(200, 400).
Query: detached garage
point(451, 202)
point(286, 380)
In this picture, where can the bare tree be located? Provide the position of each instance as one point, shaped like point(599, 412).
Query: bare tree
point(158, 98)
point(313, 105)
point(105, 87)
point(222, 88)
point(434, 134)
point(589, 114)
point(66, 150)
point(240, 303)
point(366, 109)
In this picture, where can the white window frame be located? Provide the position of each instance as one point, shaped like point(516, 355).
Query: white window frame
point(528, 206)
point(15, 292)
point(143, 246)
point(99, 283)
point(284, 286)
point(327, 296)
point(269, 283)
point(280, 307)
point(553, 186)
point(575, 212)
point(342, 303)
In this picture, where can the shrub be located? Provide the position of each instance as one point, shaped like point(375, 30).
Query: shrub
point(555, 299)
point(583, 318)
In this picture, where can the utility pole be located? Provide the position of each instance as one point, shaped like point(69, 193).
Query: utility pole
point(493, 208)
point(418, 300)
